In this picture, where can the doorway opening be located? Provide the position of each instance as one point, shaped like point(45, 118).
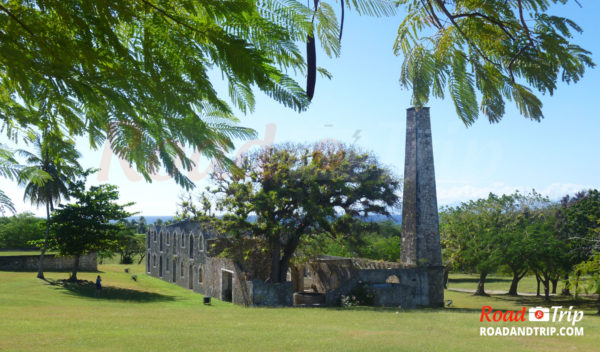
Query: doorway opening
point(226, 285)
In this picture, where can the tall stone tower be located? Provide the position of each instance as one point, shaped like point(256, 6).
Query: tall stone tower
point(420, 223)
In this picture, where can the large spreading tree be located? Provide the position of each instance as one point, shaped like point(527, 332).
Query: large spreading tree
point(89, 224)
point(469, 234)
point(285, 193)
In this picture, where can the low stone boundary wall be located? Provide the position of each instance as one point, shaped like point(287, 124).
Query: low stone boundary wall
point(265, 294)
point(52, 262)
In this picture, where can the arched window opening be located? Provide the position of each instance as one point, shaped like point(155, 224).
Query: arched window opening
point(160, 267)
point(392, 279)
point(191, 246)
point(148, 262)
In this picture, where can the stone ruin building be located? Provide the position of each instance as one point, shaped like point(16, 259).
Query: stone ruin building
point(187, 254)
point(183, 253)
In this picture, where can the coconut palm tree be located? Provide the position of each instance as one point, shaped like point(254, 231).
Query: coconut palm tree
point(11, 169)
point(8, 169)
point(56, 156)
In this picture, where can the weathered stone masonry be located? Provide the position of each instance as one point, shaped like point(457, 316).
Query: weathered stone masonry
point(420, 223)
point(180, 254)
point(52, 262)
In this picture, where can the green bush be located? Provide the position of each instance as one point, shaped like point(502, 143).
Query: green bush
point(360, 295)
point(17, 230)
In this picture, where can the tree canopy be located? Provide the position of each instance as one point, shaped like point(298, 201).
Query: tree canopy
point(288, 192)
point(505, 50)
point(17, 230)
point(90, 224)
point(521, 232)
point(138, 73)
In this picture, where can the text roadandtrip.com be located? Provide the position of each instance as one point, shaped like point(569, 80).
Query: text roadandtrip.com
point(554, 314)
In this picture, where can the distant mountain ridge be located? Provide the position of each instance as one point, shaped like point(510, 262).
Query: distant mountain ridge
point(151, 219)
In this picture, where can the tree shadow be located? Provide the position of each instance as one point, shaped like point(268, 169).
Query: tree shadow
point(476, 280)
point(84, 288)
point(565, 301)
point(420, 310)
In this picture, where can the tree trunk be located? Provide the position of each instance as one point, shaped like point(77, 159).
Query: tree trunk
point(288, 252)
point(546, 282)
point(567, 290)
point(75, 268)
point(275, 260)
point(40, 273)
point(446, 272)
point(512, 291)
point(577, 277)
point(554, 284)
point(481, 285)
point(537, 278)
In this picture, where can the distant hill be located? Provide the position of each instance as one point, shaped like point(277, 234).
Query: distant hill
point(396, 218)
point(151, 219)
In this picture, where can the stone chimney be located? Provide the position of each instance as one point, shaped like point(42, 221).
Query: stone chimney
point(420, 223)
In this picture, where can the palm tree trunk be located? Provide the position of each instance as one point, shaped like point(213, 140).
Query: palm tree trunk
point(40, 274)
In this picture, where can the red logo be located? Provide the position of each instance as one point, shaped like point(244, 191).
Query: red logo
point(490, 315)
point(539, 314)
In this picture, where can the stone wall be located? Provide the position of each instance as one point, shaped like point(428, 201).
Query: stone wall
point(184, 254)
point(87, 262)
point(392, 286)
point(270, 294)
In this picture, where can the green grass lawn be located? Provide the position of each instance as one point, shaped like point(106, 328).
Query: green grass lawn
point(152, 315)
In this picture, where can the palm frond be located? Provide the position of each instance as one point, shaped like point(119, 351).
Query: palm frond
point(6, 203)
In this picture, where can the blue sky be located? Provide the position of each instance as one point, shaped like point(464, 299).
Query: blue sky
point(364, 105)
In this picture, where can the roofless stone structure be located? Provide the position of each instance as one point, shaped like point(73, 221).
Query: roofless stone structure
point(420, 223)
point(416, 281)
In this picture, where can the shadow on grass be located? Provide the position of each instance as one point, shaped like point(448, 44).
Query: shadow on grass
point(565, 301)
point(85, 288)
point(526, 301)
point(476, 280)
point(420, 310)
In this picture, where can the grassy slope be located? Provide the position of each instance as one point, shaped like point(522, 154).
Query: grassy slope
point(153, 315)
